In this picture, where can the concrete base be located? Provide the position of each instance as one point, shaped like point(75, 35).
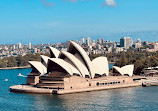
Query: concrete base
point(96, 88)
point(32, 89)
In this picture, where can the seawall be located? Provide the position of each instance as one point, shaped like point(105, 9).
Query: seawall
point(32, 89)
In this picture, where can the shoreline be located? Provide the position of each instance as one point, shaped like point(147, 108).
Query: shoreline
point(35, 90)
point(41, 90)
point(111, 62)
point(21, 67)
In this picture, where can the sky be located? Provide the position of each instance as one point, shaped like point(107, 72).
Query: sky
point(52, 21)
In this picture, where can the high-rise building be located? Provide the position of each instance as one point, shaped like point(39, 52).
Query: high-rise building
point(138, 44)
point(102, 40)
point(99, 41)
point(155, 46)
point(35, 50)
point(88, 41)
point(29, 45)
point(99, 46)
point(93, 41)
point(82, 40)
point(19, 45)
point(126, 42)
point(14, 46)
point(139, 41)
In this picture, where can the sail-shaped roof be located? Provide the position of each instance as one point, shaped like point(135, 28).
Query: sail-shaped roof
point(54, 52)
point(45, 60)
point(128, 69)
point(38, 66)
point(76, 62)
point(118, 69)
point(101, 66)
point(80, 53)
point(65, 65)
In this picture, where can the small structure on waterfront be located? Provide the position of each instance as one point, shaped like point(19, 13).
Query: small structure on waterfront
point(125, 70)
point(73, 71)
point(150, 71)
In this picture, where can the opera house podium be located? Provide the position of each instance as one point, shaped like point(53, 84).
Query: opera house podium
point(72, 71)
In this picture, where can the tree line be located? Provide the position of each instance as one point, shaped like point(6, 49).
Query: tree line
point(140, 59)
point(18, 60)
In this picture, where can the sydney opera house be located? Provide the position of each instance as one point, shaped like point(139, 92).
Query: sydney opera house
point(73, 71)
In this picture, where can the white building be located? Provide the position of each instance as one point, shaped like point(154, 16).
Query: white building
point(99, 41)
point(14, 46)
point(19, 45)
point(89, 41)
point(82, 40)
point(73, 71)
point(29, 45)
point(139, 41)
point(126, 42)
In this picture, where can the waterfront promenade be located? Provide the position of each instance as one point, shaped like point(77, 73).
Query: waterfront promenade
point(35, 89)
point(31, 89)
point(21, 67)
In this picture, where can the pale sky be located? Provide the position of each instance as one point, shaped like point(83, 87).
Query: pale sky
point(51, 21)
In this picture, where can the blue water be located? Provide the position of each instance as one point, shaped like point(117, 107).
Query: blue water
point(125, 99)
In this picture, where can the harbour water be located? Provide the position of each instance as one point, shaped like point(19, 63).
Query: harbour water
point(125, 99)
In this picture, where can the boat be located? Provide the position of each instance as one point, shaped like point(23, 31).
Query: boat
point(150, 83)
point(21, 75)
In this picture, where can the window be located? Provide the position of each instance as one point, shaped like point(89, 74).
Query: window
point(102, 83)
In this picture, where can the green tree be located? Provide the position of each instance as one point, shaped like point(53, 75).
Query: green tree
point(11, 62)
point(138, 66)
point(21, 61)
point(122, 61)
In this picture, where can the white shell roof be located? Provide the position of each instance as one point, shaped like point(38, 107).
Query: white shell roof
point(118, 69)
point(65, 65)
point(77, 63)
point(101, 66)
point(45, 58)
point(39, 66)
point(84, 56)
point(128, 69)
point(54, 51)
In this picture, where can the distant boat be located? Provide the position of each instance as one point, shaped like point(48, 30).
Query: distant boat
point(6, 80)
point(21, 75)
point(150, 83)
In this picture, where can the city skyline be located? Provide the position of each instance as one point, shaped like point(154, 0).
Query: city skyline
point(85, 39)
point(41, 22)
point(99, 46)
